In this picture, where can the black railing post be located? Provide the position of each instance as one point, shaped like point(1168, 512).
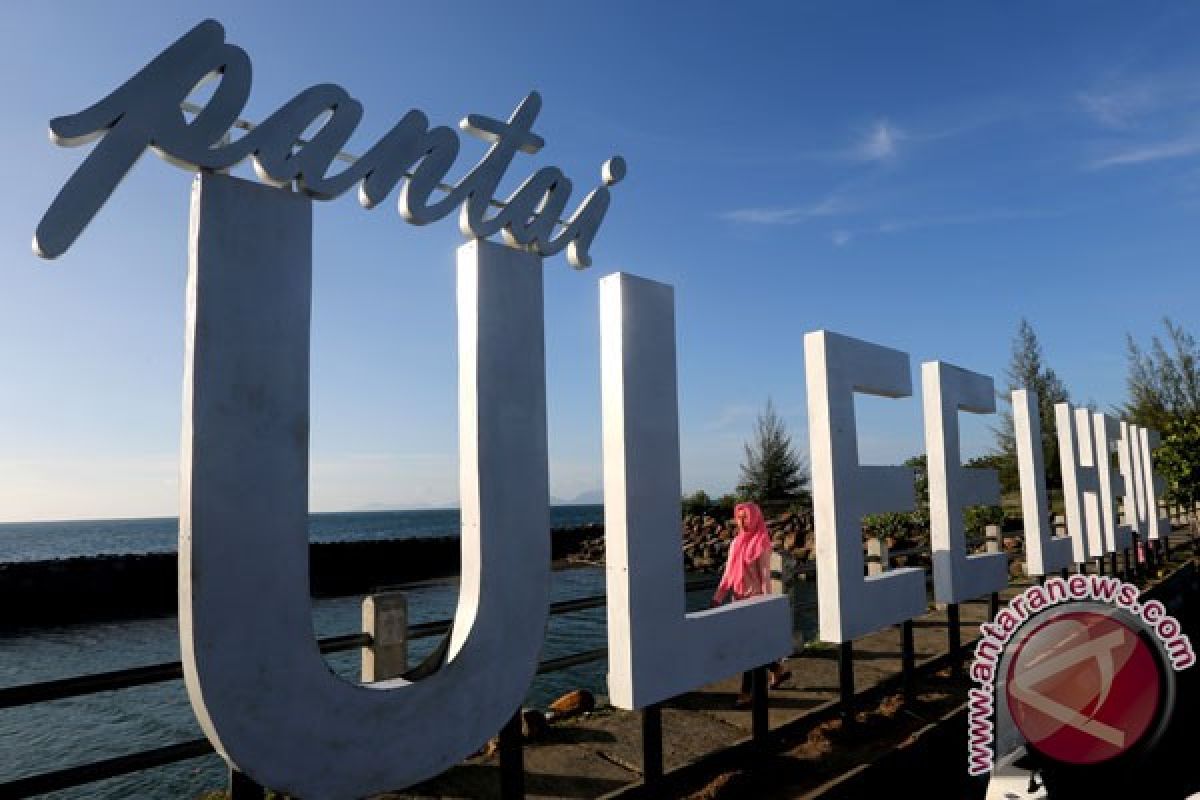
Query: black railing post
point(242, 787)
point(652, 750)
point(908, 657)
point(758, 705)
point(512, 761)
point(993, 605)
point(954, 639)
point(846, 678)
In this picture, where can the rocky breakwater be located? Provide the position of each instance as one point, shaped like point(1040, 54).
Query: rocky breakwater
point(131, 585)
point(706, 540)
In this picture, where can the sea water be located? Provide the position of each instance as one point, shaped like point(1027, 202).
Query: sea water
point(50, 736)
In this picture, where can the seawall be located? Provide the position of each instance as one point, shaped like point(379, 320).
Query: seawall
point(92, 588)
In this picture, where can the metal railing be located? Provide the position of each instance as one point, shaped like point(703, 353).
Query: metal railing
point(81, 685)
point(510, 742)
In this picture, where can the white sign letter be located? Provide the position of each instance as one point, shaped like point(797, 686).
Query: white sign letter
point(844, 492)
point(1088, 483)
point(1045, 553)
point(1156, 526)
point(1078, 480)
point(1107, 431)
point(947, 390)
point(1129, 451)
point(655, 649)
point(260, 688)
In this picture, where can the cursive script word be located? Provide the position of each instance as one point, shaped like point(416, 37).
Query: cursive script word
point(146, 113)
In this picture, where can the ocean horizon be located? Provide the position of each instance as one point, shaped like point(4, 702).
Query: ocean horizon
point(59, 539)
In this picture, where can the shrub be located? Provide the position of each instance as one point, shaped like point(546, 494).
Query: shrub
point(979, 517)
point(892, 523)
point(696, 504)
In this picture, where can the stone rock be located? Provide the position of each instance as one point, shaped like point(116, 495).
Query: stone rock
point(579, 701)
point(533, 724)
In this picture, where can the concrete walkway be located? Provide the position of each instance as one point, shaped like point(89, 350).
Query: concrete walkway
point(600, 753)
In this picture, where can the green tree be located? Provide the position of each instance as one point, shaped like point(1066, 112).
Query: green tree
point(725, 505)
point(1178, 460)
point(773, 474)
point(1027, 370)
point(977, 518)
point(1164, 394)
point(899, 523)
point(920, 468)
point(1163, 382)
point(696, 504)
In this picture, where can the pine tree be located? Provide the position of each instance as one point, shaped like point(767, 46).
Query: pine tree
point(1163, 385)
point(773, 474)
point(1027, 370)
point(1164, 394)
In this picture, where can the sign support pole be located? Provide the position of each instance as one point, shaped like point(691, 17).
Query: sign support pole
point(758, 709)
point(652, 753)
point(846, 677)
point(907, 657)
point(954, 639)
point(512, 762)
point(242, 787)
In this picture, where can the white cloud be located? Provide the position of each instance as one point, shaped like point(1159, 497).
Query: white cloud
point(1121, 106)
point(841, 237)
point(833, 205)
point(1156, 107)
point(1147, 153)
point(1126, 102)
point(972, 218)
point(768, 216)
point(880, 143)
point(733, 417)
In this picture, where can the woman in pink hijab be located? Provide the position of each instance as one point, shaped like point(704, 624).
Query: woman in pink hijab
point(747, 574)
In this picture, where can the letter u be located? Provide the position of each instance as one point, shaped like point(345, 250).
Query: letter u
point(260, 687)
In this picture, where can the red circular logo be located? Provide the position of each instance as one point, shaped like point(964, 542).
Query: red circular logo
point(1083, 687)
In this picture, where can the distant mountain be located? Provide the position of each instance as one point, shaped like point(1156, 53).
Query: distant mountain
point(592, 497)
point(446, 505)
point(377, 507)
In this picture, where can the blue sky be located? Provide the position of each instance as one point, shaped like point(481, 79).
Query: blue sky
point(916, 175)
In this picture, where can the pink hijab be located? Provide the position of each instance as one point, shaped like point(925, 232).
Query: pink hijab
point(746, 548)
